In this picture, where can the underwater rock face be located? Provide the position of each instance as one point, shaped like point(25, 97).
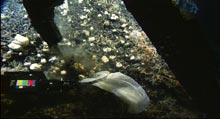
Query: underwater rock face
point(92, 29)
point(127, 89)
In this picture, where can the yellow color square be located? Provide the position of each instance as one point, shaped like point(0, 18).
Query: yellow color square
point(19, 82)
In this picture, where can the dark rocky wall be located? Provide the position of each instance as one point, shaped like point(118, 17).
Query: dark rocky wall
point(184, 44)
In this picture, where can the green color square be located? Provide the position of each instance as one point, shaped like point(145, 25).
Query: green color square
point(25, 83)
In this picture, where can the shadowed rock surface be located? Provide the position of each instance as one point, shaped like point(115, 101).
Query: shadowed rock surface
point(98, 35)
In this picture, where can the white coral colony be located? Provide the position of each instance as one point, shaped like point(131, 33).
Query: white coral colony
point(122, 86)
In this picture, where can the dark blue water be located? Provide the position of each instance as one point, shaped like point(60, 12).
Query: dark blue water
point(3, 3)
point(209, 20)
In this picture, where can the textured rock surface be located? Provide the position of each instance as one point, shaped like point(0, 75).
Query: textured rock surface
point(90, 29)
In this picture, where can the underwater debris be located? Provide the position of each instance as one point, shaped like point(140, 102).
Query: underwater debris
point(122, 86)
point(43, 61)
point(91, 39)
point(35, 67)
point(105, 59)
point(19, 42)
point(63, 72)
point(7, 55)
point(112, 57)
point(119, 64)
